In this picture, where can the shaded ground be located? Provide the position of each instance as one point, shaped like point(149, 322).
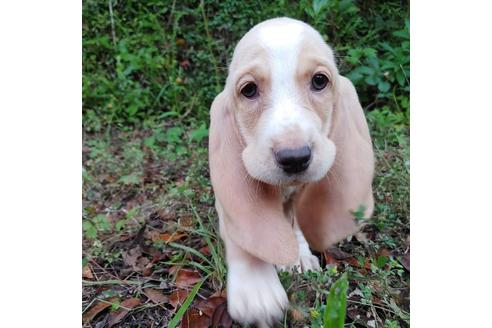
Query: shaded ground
point(150, 235)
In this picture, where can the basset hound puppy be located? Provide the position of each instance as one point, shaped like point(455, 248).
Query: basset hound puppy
point(290, 158)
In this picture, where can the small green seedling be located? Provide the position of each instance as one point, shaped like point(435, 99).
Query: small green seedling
point(336, 304)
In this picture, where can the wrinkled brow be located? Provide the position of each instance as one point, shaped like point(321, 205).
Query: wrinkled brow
point(257, 69)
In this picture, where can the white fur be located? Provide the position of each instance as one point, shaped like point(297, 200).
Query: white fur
point(286, 111)
point(254, 293)
point(282, 43)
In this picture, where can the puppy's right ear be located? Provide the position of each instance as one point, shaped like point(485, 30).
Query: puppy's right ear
point(254, 217)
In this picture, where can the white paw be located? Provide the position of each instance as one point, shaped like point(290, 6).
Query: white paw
point(306, 262)
point(309, 262)
point(255, 294)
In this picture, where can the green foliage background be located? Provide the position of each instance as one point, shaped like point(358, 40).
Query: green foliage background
point(151, 70)
point(146, 61)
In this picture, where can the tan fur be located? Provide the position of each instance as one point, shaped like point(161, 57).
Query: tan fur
point(324, 209)
point(254, 217)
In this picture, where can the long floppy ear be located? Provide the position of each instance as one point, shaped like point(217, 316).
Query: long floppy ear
point(254, 217)
point(325, 209)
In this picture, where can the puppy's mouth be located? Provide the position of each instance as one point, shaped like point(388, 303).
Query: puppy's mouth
point(294, 179)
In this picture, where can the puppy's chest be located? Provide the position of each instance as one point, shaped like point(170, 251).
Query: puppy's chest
point(288, 195)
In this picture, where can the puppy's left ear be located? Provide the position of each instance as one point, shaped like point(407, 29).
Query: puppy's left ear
point(253, 214)
point(325, 210)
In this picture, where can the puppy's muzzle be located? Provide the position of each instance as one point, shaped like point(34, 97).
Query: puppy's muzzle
point(295, 160)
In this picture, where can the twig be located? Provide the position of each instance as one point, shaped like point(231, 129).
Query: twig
point(171, 14)
point(113, 33)
point(111, 282)
point(209, 45)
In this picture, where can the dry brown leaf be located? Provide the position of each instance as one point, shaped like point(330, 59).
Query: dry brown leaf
point(97, 308)
point(155, 295)
point(338, 254)
point(383, 251)
point(194, 319)
point(125, 307)
point(355, 263)
point(220, 293)
point(185, 64)
point(187, 278)
point(405, 261)
point(329, 258)
point(180, 42)
point(209, 305)
point(87, 272)
point(186, 222)
point(148, 270)
point(297, 315)
point(204, 250)
point(221, 318)
point(178, 297)
point(134, 259)
point(168, 238)
point(131, 256)
point(172, 270)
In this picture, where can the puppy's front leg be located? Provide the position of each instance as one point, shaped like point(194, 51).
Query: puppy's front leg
point(254, 291)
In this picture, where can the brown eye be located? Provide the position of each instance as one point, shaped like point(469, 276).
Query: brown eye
point(319, 81)
point(250, 90)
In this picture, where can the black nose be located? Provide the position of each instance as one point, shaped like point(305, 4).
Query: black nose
point(294, 160)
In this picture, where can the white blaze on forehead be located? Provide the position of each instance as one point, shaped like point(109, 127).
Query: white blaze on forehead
point(282, 41)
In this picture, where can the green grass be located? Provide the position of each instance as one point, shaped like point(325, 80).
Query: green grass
point(150, 72)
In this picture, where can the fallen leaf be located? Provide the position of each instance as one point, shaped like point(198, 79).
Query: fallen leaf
point(355, 263)
point(221, 318)
point(87, 272)
point(204, 250)
point(329, 258)
point(180, 42)
point(172, 270)
point(298, 316)
point(185, 64)
point(209, 305)
point(405, 261)
point(220, 293)
point(194, 319)
point(187, 278)
point(338, 254)
point(131, 256)
point(383, 251)
point(155, 295)
point(178, 297)
point(125, 307)
point(168, 238)
point(97, 308)
point(161, 215)
point(148, 270)
point(134, 259)
point(186, 222)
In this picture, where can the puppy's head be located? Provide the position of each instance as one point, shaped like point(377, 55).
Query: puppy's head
point(282, 82)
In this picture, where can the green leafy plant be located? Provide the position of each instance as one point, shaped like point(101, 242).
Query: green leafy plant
point(336, 304)
point(97, 224)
